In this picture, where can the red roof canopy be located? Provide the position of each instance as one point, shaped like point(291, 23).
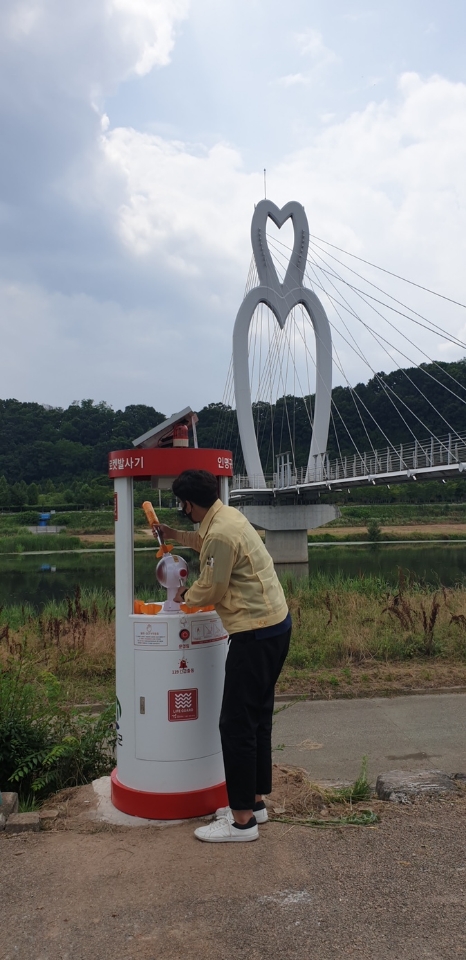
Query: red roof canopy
point(168, 462)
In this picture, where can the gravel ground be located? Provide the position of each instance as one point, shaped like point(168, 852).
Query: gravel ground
point(87, 892)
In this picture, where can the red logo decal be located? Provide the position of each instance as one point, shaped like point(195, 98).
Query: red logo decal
point(183, 704)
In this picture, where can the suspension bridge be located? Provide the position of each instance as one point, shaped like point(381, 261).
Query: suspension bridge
point(314, 313)
point(434, 459)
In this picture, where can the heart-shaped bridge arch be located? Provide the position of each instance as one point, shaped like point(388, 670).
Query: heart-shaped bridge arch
point(281, 298)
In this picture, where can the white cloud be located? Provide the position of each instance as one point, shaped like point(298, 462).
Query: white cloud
point(173, 217)
point(358, 16)
point(310, 43)
point(57, 348)
point(387, 184)
point(292, 79)
point(190, 205)
point(147, 26)
point(90, 46)
point(388, 180)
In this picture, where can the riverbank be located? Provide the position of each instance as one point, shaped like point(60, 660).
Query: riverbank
point(30, 544)
point(351, 637)
point(385, 523)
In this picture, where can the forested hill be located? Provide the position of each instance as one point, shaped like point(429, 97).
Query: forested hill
point(399, 402)
point(38, 444)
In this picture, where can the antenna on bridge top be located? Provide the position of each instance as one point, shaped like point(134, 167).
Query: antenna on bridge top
point(265, 184)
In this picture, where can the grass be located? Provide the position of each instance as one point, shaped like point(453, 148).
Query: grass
point(359, 790)
point(73, 640)
point(28, 804)
point(401, 513)
point(32, 542)
point(296, 800)
point(44, 745)
point(342, 621)
point(385, 537)
point(14, 538)
point(346, 634)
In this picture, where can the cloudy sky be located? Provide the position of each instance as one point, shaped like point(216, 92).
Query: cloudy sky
point(134, 134)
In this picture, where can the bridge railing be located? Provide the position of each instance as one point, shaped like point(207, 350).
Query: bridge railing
point(407, 458)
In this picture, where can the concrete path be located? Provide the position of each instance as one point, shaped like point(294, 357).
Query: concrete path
point(329, 738)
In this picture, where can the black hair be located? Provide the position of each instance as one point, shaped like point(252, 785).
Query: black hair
point(197, 486)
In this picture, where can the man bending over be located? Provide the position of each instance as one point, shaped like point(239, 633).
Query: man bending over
point(237, 576)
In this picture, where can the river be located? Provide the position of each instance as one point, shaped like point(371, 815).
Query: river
point(37, 579)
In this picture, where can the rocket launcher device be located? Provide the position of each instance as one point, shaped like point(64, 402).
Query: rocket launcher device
point(154, 524)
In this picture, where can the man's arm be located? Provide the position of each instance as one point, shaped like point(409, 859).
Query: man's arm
point(187, 538)
point(215, 576)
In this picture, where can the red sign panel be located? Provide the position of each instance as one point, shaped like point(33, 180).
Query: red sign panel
point(183, 704)
point(169, 462)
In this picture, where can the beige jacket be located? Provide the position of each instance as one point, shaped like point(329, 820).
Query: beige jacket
point(237, 573)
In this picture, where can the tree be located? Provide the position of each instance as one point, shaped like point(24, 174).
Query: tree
point(4, 492)
point(33, 494)
point(19, 494)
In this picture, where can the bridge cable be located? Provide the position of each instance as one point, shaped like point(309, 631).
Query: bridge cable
point(378, 337)
point(386, 389)
point(362, 295)
point(433, 328)
point(391, 274)
point(352, 391)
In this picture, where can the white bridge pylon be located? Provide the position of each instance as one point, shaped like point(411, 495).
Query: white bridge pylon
point(281, 298)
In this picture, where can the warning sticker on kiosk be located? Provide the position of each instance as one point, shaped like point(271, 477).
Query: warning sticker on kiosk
point(205, 631)
point(182, 704)
point(150, 635)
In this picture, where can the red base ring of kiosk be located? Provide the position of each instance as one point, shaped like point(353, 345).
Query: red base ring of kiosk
point(167, 806)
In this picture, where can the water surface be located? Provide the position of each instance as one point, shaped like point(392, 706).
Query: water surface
point(37, 579)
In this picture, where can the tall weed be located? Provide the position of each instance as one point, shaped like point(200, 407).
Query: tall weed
point(44, 745)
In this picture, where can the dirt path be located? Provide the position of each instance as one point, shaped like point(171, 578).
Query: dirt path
point(401, 530)
point(139, 539)
point(395, 889)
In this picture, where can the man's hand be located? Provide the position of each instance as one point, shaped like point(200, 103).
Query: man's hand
point(179, 595)
point(168, 532)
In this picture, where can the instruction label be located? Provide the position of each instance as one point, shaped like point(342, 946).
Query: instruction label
point(206, 631)
point(150, 636)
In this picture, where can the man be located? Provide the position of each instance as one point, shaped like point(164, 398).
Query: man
point(237, 576)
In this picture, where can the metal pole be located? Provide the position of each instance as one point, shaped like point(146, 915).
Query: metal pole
point(224, 490)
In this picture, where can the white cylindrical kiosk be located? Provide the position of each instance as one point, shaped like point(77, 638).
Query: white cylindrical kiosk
point(170, 665)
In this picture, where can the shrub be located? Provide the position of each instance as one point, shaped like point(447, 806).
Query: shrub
point(45, 746)
point(373, 530)
point(24, 712)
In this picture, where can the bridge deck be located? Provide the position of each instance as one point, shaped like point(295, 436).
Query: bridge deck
point(434, 459)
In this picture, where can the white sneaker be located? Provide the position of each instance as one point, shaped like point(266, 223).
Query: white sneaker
point(223, 831)
point(260, 815)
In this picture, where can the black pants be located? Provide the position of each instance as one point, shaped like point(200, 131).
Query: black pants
point(251, 672)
